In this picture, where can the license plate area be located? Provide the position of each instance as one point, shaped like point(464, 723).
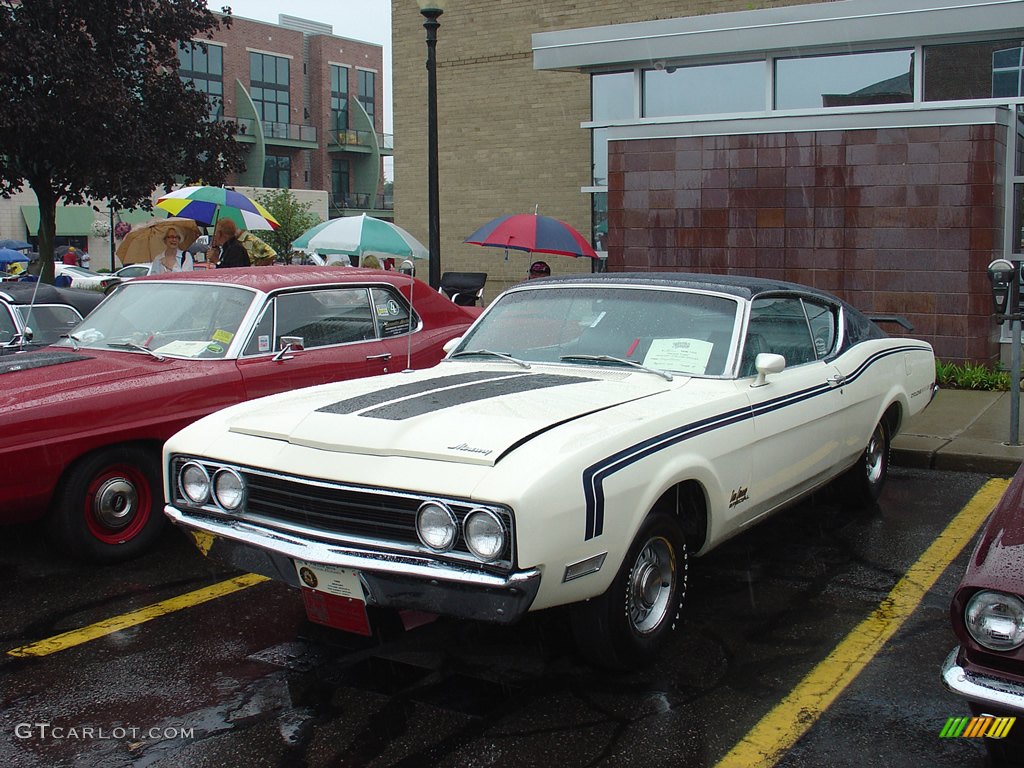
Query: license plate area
point(333, 597)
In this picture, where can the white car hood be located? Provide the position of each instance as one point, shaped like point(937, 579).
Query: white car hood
point(471, 414)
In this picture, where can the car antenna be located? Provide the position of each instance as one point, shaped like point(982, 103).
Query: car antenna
point(31, 305)
point(408, 335)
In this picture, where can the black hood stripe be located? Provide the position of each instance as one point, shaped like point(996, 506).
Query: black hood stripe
point(380, 397)
point(28, 360)
point(449, 398)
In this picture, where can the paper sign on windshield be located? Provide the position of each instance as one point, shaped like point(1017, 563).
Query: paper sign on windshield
point(689, 355)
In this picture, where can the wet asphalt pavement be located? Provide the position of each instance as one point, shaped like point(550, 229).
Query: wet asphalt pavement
point(246, 680)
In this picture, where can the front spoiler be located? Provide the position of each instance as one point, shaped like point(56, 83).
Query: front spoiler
point(389, 580)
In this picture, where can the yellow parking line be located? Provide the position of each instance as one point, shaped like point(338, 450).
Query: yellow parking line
point(780, 729)
point(114, 624)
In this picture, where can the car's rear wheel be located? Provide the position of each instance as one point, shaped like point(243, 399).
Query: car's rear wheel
point(108, 507)
point(626, 626)
point(862, 484)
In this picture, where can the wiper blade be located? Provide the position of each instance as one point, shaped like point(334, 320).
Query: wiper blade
point(609, 359)
point(509, 358)
point(138, 347)
point(76, 342)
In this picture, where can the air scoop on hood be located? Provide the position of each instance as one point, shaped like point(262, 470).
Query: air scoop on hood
point(28, 360)
point(472, 418)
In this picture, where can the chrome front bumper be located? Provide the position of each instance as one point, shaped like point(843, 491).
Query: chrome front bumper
point(987, 692)
point(389, 580)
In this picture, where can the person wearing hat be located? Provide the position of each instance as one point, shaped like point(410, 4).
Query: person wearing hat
point(539, 269)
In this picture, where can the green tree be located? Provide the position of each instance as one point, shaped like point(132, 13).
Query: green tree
point(293, 216)
point(92, 107)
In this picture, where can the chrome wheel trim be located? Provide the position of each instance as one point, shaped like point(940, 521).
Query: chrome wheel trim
point(650, 587)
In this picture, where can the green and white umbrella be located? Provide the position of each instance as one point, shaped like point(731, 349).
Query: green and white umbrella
point(360, 236)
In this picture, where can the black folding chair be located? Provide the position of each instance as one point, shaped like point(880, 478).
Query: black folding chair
point(463, 288)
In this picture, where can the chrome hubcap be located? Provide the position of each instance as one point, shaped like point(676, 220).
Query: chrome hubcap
point(650, 586)
point(115, 503)
point(874, 456)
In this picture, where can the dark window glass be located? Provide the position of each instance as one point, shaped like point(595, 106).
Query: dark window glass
point(205, 69)
point(339, 98)
point(963, 71)
point(367, 83)
point(268, 81)
point(844, 80)
point(277, 171)
point(340, 183)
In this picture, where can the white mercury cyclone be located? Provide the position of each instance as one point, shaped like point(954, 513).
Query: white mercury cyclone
point(584, 438)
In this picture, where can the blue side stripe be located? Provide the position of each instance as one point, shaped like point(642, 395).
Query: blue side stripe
point(595, 475)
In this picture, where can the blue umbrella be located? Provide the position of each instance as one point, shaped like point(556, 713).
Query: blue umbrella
point(15, 245)
point(9, 256)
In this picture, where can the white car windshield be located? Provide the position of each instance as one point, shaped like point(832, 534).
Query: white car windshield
point(668, 330)
point(190, 320)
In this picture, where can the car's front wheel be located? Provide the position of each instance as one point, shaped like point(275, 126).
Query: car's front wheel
point(862, 484)
point(627, 625)
point(108, 507)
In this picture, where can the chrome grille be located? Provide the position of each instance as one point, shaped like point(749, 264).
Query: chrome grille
point(376, 518)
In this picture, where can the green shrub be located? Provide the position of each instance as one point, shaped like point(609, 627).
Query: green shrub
point(971, 376)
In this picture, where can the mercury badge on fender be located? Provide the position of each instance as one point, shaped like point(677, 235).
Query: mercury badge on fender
point(578, 444)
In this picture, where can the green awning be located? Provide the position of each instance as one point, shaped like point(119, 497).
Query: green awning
point(71, 219)
point(134, 217)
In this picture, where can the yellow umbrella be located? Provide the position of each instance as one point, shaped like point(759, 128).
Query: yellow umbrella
point(146, 240)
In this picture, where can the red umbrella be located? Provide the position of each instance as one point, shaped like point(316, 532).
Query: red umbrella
point(533, 233)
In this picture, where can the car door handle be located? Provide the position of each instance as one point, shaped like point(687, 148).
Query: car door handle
point(385, 356)
point(836, 381)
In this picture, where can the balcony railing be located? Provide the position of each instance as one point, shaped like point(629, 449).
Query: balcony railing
point(246, 126)
point(361, 201)
point(352, 138)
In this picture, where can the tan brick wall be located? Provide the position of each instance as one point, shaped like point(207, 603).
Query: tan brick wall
point(509, 137)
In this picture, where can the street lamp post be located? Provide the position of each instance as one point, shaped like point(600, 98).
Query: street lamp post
point(431, 10)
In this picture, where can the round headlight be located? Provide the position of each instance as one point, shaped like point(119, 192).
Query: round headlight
point(485, 534)
point(228, 488)
point(996, 620)
point(436, 526)
point(195, 483)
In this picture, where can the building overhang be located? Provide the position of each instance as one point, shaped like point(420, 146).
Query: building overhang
point(797, 27)
point(846, 121)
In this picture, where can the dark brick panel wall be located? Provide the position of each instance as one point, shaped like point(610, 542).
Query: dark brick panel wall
point(895, 221)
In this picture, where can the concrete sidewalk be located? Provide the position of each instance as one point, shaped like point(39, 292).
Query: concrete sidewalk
point(964, 430)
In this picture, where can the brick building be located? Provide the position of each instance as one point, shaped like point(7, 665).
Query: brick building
point(310, 109)
point(868, 147)
point(308, 103)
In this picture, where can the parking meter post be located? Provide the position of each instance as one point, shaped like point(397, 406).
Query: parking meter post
point(1006, 277)
point(1015, 336)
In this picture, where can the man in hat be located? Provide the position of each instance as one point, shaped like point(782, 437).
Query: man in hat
point(539, 269)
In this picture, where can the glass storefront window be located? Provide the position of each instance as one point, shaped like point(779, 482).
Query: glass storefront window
point(971, 70)
point(1006, 73)
point(705, 90)
point(611, 96)
point(844, 80)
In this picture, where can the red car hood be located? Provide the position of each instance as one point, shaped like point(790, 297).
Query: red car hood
point(54, 377)
point(998, 558)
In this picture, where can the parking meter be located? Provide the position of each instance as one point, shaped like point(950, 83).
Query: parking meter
point(1002, 274)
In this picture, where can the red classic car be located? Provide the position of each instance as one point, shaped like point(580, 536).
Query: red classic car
point(987, 612)
point(82, 422)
